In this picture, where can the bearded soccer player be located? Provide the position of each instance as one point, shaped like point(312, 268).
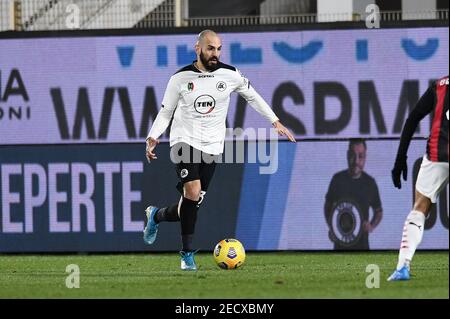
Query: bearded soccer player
point(433, 173)
point(197, 97)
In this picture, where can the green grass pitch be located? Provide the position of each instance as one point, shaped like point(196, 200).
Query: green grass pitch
point(288, 275)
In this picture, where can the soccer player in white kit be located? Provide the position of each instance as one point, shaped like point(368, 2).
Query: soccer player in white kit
point(433, 173)
point(196, 100)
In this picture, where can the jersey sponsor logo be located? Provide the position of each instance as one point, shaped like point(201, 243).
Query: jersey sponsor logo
point(246, 83)
point(206, 76)
point(443, 82)
point(184, 173)
point(221, 86)
point(190, 86)
point(204, 104)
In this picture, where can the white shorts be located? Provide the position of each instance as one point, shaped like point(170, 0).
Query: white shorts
point(432, 178)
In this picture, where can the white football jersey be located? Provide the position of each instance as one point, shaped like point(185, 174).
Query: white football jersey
point(199, 101)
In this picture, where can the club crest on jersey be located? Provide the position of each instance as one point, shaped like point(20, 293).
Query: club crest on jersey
point(184, 173)
point(190, 86)
point(221, 86)
point(204, 104)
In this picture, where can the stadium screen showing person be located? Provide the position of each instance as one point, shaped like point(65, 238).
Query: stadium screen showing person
point(196, 100)
point(350, 195)
point(433, 172)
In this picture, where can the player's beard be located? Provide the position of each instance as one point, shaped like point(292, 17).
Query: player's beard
point(205, 62)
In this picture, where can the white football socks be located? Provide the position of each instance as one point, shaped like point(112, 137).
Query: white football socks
point(412, 236)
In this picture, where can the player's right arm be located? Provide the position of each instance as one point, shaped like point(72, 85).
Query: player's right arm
point(328, 210)
point(422, 109)
point(162, 121)
point(330, 201)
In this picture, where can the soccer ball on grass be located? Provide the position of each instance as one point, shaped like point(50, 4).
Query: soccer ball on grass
point(229, 254)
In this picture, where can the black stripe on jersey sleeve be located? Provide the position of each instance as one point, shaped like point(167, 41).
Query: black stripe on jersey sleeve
point(189, 67)
point(192, 68)
point(226, 66)
point(443, 134)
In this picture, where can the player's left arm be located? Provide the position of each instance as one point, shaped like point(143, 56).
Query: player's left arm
point(330, 200)
point(423, 107)
point(257, 102)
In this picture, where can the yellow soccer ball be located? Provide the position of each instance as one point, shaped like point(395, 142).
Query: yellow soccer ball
point(229, 254)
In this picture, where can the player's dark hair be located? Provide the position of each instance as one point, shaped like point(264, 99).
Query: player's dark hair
point(354, 141)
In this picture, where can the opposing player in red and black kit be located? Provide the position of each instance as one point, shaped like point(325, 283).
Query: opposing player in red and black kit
point(433, 173)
